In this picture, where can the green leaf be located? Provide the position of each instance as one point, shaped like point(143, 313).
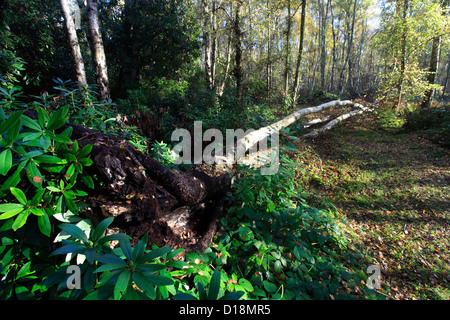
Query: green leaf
point(37, 197)
point(184, 296)
point(20, 220)
point(37, 212)
point(31, 154)
point(5, 161)
point(149, 269)
point(58, 137)
point(30, 123)
point(177, 264)
point(174, 253)
point(156, 253)
point(58, 119)
point(159, 280)
point(5, 207)
point(45, 158)
point(70, 171)
point(122, 284)
point(75, 147)
point(113, 237)
point(34, 175)
point(85, 151)
point(126, 248)
point(87, 180)
point(19, 195)
point(146, 286)
point(86, 162)
point(111, 266)
point(14, 179)
point(74, 231)
point(139, 249)
point(2, 115)
point(244, 283)
point(214, 285)
point(69, 248)
point(42, 116)
point(10, 122)
point(233, 295)
point(201, 292)
point(269, 286)
point(11, 213)
point(44, 225)
point(101, 228)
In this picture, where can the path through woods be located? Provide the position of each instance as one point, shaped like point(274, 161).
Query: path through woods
point(393, 189)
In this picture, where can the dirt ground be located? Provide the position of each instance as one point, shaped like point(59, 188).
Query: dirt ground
point(392, 188)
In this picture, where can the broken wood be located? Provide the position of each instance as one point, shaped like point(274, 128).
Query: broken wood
point(336, 121)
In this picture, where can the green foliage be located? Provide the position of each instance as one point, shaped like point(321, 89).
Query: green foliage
point(272, 245)
point(163, 153)
point(163, 35)
point(435, 122)
point(39, 175)
point(31, 35)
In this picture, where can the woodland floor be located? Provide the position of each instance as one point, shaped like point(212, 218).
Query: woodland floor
point(392, 189)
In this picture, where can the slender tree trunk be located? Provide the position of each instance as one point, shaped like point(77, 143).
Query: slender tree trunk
point(432, 72)
point(287, 52)
point(334, 55)
point(434, 64)
point(74, 45)
point(207, 44)
point(300, 53)
point(97, 49)
point(323, 52)
point(269, 55)
point(227, 66)
point(402, 52)
point(349, 50)
point(238, 74)
point(214, 43)
point(299, 57)
point(444, 90)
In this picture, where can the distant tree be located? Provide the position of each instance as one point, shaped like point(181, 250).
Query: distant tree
point(434, 61)
point(98, 52)
point(147, 39)
point(74, 44)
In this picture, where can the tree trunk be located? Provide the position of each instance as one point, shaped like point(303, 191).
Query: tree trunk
point(349, 50)
point(300, 53)
point(432, 72)
point(323, 52)
point(334, 55)
point(74, 45)
point(444, 90)
point(287, 52)
point(238, 35)
point(402, 51)
point(227, 66)
point(434, 63)
point(207, 44)
point(98, 51)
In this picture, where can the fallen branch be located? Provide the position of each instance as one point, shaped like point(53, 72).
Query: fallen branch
point(334, 122)
point(255, 137)
point(178, 209)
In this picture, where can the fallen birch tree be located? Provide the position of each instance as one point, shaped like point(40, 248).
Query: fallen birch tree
point(178, 209)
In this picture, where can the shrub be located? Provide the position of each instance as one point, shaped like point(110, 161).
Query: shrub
point(435, 122)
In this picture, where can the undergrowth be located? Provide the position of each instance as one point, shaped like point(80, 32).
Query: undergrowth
point(271, 243)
